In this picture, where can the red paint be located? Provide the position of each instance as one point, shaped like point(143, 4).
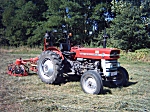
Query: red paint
point(94, 53)
point(26, 64)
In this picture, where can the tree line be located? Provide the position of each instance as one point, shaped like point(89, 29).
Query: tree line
point(24, 22)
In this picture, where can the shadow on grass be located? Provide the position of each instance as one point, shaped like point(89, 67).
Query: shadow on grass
point(69, 78)
point(106, 91)
point(111, 85)
point(76, 78)
point(31, 74)
point(132, 83)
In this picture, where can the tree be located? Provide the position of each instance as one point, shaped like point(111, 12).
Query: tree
point(127, 29)
point(20, 18)
point(65, 15)
point(3, 41)
point(78, 17)
point(101, 14)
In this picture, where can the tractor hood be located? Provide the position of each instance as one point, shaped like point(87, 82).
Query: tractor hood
point(96, 53)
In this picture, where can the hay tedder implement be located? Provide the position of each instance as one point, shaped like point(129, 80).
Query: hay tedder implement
point(21, 67)
point(94, 65)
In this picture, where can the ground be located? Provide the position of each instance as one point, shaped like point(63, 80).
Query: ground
point(28, 94)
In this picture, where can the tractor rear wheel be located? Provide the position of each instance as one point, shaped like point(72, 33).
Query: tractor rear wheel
point(49, 67)
point(122, 78)
point(91, 82)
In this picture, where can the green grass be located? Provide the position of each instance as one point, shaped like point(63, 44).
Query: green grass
point(21, 50)
point(29, 94)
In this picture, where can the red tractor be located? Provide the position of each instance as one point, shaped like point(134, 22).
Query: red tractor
point(93, 65)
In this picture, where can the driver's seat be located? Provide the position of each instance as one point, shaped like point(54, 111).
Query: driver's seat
point(65, 49)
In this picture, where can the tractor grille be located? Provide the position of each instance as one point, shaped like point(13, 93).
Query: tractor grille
point(112, 65)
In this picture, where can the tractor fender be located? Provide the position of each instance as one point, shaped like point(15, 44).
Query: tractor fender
point(56, 50)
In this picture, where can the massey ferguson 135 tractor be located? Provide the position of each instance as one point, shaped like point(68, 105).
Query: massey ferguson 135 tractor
point(94, 65)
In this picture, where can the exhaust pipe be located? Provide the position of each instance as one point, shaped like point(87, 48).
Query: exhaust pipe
point(105, 36)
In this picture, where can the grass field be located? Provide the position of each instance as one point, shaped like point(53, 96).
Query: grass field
point(29, 94)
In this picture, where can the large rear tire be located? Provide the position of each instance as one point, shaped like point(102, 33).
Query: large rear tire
point(49, 67)
point(122, 78)
point(91, 82)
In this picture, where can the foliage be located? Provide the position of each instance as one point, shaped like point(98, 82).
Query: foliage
point(145, 8)
point(64, 16)
point(139, 55)
point(24, 22)
point(127, 29)
point(20, 20)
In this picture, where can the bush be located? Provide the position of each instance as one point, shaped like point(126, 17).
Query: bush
point(138, 55)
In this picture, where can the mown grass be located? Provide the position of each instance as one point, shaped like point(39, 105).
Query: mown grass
point(29, 94)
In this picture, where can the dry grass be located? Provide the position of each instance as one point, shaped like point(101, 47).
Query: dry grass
point(29, 94)
point(20, 50)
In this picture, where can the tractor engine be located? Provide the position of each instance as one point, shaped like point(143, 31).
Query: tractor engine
point(80, 66)
point(103, 60)
point(107, 68)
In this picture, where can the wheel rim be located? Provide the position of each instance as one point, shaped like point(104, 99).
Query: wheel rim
point(89, 84)
point(47, 68)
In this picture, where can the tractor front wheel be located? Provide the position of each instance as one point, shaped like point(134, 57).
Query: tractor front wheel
point(91, 82)
point(48, 66)
point(122, 78)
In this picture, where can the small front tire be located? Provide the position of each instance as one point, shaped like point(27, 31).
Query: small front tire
point(91, 82)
